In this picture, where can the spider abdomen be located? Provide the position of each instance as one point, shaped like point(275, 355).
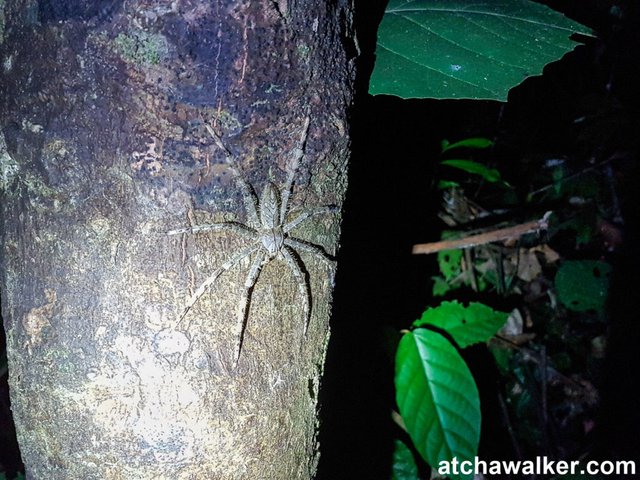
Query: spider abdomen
point(270, 207)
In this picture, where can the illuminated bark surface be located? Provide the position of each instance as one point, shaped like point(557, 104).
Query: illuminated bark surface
point(106, 111)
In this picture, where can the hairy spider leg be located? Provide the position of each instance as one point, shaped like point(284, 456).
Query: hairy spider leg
point(305, 215)
point(214, 276)
point(293, 168)
point(249, 198)
point(298, 244)
point(252, 278)
point(304, 288)
point(235, 227)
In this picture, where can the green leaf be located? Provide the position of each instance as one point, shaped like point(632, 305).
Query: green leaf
point(467, 325)
point(459, 49)
point(502, 356)
point(475, 142)
point(440, 287)
point(584, 226)
point(404, 465)
point(444, 184)
point(449, 263)
point(437, 398)
point(489, 174)
point(582, 285)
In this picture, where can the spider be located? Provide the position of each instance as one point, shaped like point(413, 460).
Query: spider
point(269, 232)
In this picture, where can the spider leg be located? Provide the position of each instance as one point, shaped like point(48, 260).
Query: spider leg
point(234, 227)
point(248, 195)
point(249, 199)
point(300, 245)
point(303, 216)
point(298, 153)
point(213, 277)
point(249, 283)
point(304, 288)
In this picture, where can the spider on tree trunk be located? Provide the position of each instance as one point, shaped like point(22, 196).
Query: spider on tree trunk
point(270, 233)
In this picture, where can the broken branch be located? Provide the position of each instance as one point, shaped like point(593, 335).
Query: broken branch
point(498, 235)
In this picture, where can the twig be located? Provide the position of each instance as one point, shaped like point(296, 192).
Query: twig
point(498, 235)
point(470, 270)
point(573, 175)
point(507, 420)
point(397, 419)
point(534, 357)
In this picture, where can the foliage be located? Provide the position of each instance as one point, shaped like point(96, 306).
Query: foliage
point(474, 324)
point(473, 142)
point(541, 331)
point(436, 395)
point(19, 476)
point(582, 285)
point(449, 263)
point(457, 49)
point(404, 465)
point(474, 168)
point(437, 49)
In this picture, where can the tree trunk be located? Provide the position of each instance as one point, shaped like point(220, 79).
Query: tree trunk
point(144, 339)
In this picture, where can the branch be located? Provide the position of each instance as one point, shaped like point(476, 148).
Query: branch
point(498, 235)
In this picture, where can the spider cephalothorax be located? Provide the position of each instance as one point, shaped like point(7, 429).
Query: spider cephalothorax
point(269, 233)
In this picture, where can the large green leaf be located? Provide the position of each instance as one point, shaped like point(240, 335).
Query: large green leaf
point(437, 398)
point(467, 325)
point(460, 49)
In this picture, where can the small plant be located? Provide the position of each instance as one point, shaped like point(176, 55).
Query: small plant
point(436, 394)
point(422, 53)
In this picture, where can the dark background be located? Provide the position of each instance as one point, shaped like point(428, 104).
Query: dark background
point(390, 206)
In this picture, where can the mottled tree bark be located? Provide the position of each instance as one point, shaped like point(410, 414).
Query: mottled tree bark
point(122, 121)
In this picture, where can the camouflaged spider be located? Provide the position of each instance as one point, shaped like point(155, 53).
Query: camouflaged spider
point(269, 232)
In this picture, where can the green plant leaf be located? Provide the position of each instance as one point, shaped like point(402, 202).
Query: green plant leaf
point(458, 49)
point(440, 287)
point(502, 356)
point(470, 166)
point(474, 142)
point(467, 325)
point(582, 285)
point(404, 465)
point(449, 263)
point(444, 184)
point(437, 398)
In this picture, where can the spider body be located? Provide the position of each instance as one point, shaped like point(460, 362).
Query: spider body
point(271, 231)
point(269, 235)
